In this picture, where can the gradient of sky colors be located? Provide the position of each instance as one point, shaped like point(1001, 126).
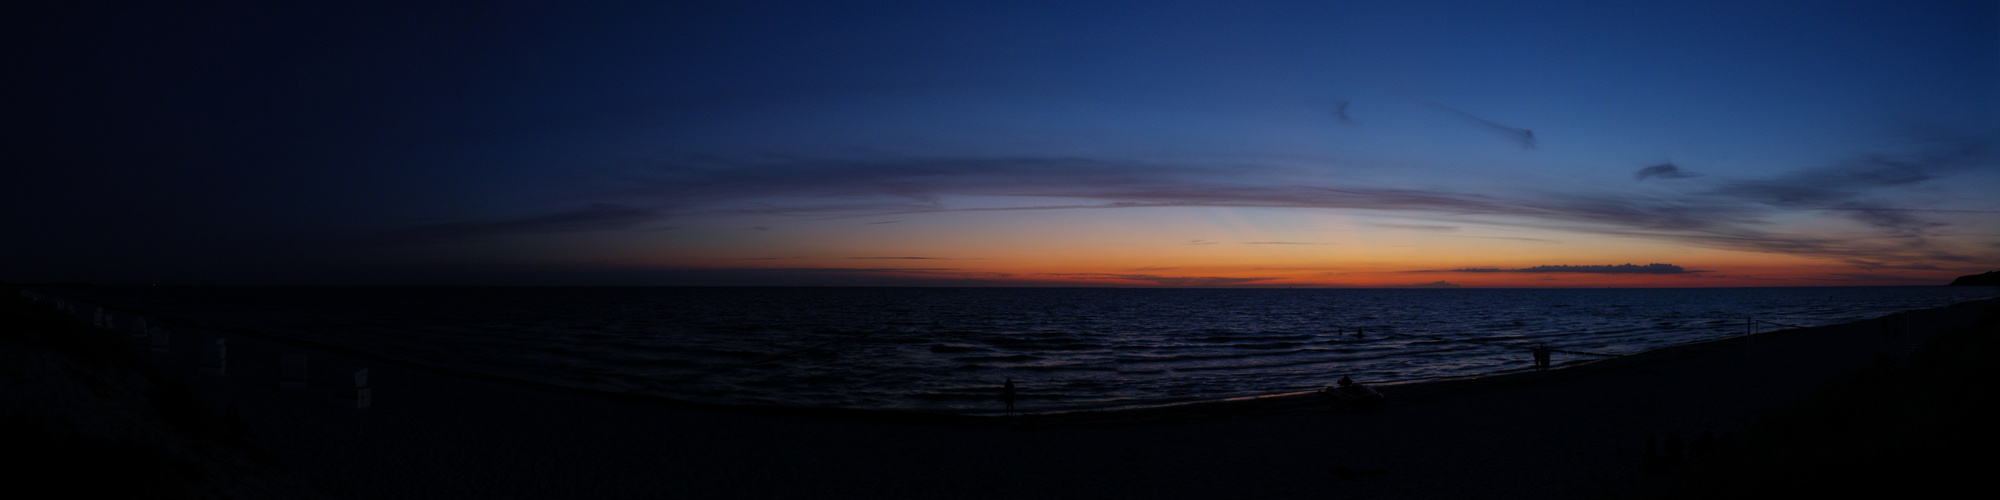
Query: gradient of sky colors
point(1121, 144)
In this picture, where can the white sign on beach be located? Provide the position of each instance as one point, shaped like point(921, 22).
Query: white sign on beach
point(359, 392)
point(292, 374)
point(159, 339)
point(215, 358)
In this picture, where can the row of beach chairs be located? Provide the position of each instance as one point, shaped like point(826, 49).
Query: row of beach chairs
point(214, 359)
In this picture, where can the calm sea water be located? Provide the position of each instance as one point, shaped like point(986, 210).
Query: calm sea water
point(949, 349)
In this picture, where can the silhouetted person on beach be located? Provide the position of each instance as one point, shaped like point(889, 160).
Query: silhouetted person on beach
point(1349, 392)
point(1007, 396)
point(1702, 446)
point(1541, 356)
point(1650, 461)
point(1672, 454)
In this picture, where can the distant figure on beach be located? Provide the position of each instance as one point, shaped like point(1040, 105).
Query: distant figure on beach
point(1347, 391)
point(1007, 395)
point(1541, 356)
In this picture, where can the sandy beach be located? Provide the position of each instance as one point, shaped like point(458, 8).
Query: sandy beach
point(1578, 431)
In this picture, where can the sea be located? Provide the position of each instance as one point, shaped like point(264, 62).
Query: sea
point(949, 350)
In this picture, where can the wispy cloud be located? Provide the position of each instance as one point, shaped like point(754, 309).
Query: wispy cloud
point(927, 270)
point(1872, 278)
point(1870, 265)
point(1165, 280)
point(1522, 136)
point(1663, 171)
point(1417, 227)
point(1434, 284)
point(1716, 212)
point(1542, 240)
point(1283, 243)
point(593, 217)
point(1655, 268)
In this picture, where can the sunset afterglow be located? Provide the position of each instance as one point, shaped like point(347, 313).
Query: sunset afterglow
point(1300, 144)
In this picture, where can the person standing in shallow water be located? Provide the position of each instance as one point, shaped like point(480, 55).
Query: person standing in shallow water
point(1007, 395)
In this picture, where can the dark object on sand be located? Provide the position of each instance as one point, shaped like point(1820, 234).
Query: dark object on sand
point(1991, 278)
point(1353, 393)
point(1007, 395)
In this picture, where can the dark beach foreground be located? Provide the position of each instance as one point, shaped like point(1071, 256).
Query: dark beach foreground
point(1581, 431)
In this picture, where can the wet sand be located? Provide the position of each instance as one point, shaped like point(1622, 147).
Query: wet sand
point(1578, 431)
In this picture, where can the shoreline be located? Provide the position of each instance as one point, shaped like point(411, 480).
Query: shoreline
point(1573, 432)
point(1246, 405)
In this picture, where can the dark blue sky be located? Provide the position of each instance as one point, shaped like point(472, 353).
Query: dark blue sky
point(775, 143)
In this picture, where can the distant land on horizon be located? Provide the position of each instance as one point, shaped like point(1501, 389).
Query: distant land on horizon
point(1990, 278)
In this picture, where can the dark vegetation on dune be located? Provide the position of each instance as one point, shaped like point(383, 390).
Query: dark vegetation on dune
point(1989, 278)
point(1920, 428)
point(85, 416)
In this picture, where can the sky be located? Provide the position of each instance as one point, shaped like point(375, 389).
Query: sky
point(1172, 144)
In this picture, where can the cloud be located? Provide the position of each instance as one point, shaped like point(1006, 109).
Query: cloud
point(817, 276)
point(924, 270)
point(884, 222)
point(1417, 227)
point(1283, 243)
point(1663, 171)
point(918, 182)
point(902, 258)
point(593, 217)
point(1852, 187)
point(1870, 265)
point(1525, 137)
point(1655, 268)
point(1876, 278)
point(1542, 240)
point(1434, 284)
point(1745, 214)
point(1165, 280)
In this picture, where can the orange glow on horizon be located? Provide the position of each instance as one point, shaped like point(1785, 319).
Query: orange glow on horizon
point(1214, 247)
